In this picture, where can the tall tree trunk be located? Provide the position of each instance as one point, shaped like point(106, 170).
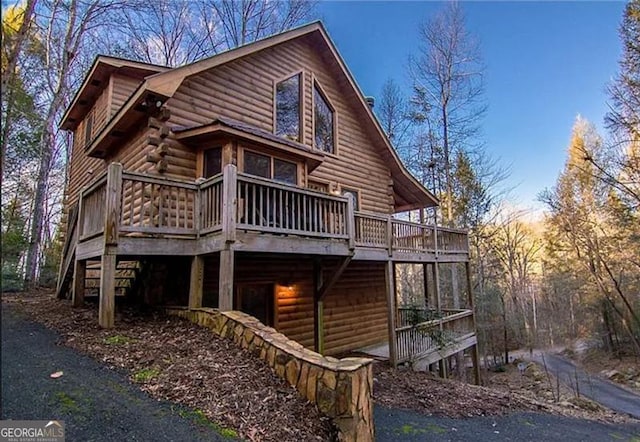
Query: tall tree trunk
point(13, 54)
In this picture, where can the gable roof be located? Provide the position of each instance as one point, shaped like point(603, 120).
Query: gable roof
point(103, 66)
point(408, 192)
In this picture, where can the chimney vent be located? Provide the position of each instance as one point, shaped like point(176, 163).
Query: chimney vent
point(371, 101)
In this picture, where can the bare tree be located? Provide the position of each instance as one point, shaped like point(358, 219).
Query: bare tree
point(177, 32)
point(63, 27)
point(244, 21)
point(447, 79)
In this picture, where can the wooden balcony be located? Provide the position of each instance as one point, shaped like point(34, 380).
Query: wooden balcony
point(141, 214)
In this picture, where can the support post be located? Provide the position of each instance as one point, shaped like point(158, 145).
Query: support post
point(225, 287)
point(195, 282)
point(229, 202)
point(79, 273)
point(474, 351)
point(425, 283)
point(106, 311)
point(390, 284)
point(318, 307)
point(389, 236)
point(351, 222)
point(436, 285)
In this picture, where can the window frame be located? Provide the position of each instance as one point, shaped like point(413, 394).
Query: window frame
point(272, 159)
point(334, 125)
point(301, 89)
point(88, 128)
point(203, 170)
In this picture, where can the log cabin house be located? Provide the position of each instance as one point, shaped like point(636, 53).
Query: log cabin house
point(259, 180)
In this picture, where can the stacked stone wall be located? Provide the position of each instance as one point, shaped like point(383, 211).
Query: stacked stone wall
point(341, 388)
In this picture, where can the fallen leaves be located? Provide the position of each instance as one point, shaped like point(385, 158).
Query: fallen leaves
point(175, 360)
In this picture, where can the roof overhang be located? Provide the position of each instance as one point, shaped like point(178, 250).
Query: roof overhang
point(97, 79)
point(226, 127)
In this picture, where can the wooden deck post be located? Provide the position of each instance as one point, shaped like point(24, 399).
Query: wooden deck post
point(318, 308)
point(225, 287)
point(106, 312)
point(390, 284)
point(351, 222)
point(229, 215)
point(389, 236)
point(229, 202)
point(79, 272)
point(474, 350)
point(195, 282)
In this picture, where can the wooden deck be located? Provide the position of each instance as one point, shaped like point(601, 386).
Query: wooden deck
point(146, 215)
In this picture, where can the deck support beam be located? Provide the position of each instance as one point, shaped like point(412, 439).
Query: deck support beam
point(106, 310)
point(225, 287)
point(79, 273)
point(318, 307)
point(474, 351)
point(113, 212)
point(390, 285)
point(196, 282)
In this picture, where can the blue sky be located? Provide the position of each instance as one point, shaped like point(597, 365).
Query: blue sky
point(546, 63)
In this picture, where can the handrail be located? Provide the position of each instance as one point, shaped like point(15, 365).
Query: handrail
point(162, 205)
point(288, 187)
point(435, 322)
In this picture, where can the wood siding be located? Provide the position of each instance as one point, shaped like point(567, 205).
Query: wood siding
point(355, 312)
point(243, 90)
point(122, 88)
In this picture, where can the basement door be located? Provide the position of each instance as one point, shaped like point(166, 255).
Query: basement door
point(256, 300)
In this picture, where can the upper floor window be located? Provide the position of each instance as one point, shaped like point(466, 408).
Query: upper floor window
point(323, 119)
point(270, 167)
point(88, 129)
point(288, 108)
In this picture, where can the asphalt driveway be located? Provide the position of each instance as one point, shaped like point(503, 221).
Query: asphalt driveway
point(595, 388)
point(96, 403)
point(399, 425)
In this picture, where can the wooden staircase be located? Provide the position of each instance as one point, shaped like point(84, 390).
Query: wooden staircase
point(127, 275)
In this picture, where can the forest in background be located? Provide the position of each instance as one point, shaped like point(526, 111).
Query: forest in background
point(574, 275)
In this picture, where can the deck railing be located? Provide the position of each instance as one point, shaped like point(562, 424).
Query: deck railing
point(91, 216)
point(147, 205)
point(415, 340)
point(270, 207)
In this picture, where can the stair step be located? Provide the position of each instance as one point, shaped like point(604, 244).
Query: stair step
point(95, 283)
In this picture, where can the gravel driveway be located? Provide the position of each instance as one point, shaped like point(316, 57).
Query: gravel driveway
point(96, 403)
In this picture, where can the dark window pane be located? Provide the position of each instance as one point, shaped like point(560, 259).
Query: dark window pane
point(285, 171)
point(288, 108)
point(323, 116)
point(212, 162)
point(256, 164)
point(88, 128)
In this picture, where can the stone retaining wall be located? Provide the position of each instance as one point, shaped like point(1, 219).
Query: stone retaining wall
point(341, 388)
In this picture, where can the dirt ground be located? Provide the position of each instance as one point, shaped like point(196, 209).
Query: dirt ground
point(175, 360)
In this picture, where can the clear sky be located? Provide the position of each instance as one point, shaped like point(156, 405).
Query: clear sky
point(546, 63)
